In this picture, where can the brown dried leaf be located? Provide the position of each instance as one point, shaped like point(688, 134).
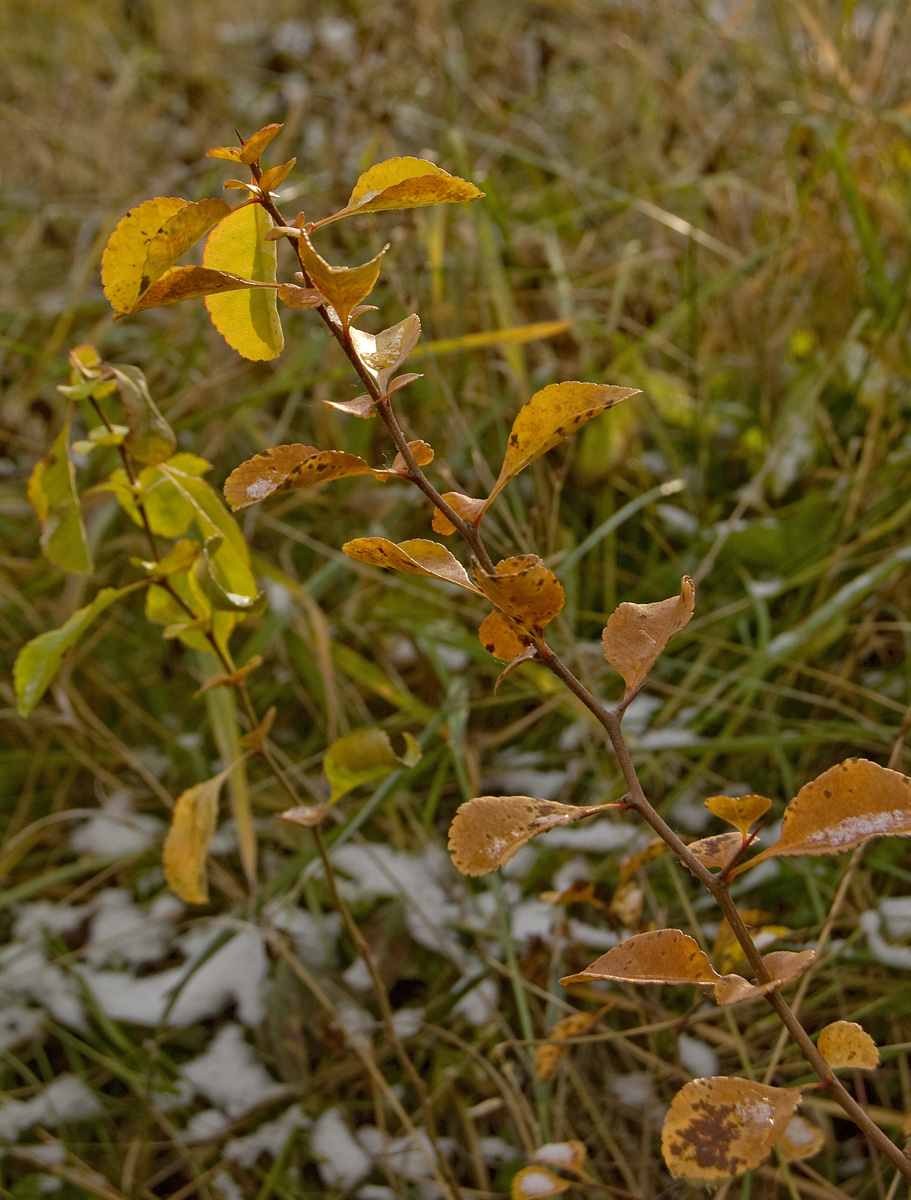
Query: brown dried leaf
point(343, 287)
point(846, 1044)
point(309, 815)
point(784, 966)
point(501, 637)
point(739, 811)
point(189, 283)
point(718, 1128)
point(300, 297)
point(293, 468)
point(360, 406)
point(626, 904)
point(524, 589)
point(716, 851)
point(551, 415)
point(842, 808)
point(531, 1182)
point(636, 634)
point(801, 1139)
point(487, 831)
point(579, 892)
point(549, 1053)
point(661, 956)
point(417, 557)
point(467, 507)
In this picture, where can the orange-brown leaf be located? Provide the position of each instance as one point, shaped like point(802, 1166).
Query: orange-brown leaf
point(487, 831)
point(343, 287)
point(189, 283)
point(299, 297)
point(549, 1053)
point(551, 415)
point(501, 637)
point(661, 956)
point(716, 851)
point(739, 811)
point(841, 809)
point(636, 634)
point(524, 589)
point(784, 966)
point(846, 1044)
point(419, 556)
point(250, 151)
point(718, 1128)
point(468, 508)
point(276, 176)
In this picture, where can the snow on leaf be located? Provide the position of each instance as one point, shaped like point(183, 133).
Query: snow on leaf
point(569, 1156)
point(636, 634)
point(250, 151)
point(717, 1128)
point(488, 830)
point(417, 556)
point(846, 1044)
point(841, 809)
point(405, 183)
point(343, 287)
point(186, 844)
point(660, 956)
point(801, 1139)
point(536, 1181)
point(739, 811)
point(523, 588)
point(551, 415)
point(247, 320)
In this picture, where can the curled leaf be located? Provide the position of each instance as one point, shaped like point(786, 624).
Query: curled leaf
point(487, 831)
point(636, 634)
point(784, 966)
point(523, 588)
point(299, 297)
point(365, 756)
point(661, 956)
point(739, 811)
point(841, 809)
point(343, 287)
point(405, 183)
point(468, 508)
point(383, 353)
point(417, 557)
point(275, 176)
point(846, 1044)
point(717, 1128)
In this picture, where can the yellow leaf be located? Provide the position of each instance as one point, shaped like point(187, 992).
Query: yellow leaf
point(247, 320)
point(718, 1128)
point(551, 415)
point(187, 842)
point(524, 589)
point(501, 637)
point(739, 811)
point(487, 831)
point(636, 634)
point(661, 956)
point(124, 256)
point(417, 557)
point(343, 287)
point(846, 1044)
point(841, 809)
point(177, 235)
point(365, 756)
point(405, 183)
point(250, 151)
point(276, 176)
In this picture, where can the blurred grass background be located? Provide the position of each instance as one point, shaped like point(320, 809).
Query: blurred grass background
point(716, 199)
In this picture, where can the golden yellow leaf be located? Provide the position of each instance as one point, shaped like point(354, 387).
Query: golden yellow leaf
point(488, 830)
point(466, 507)
point(418, 556)
point(739, 811)
point(717, 1128)
point(841, 809)
point(549, 1053)
point(343, 287)
point(423, 456)
point(636, 634)
point(247, 320)
point(661, 956)
point(536, 1181)
point(551, 415)
point(125, 254)
point(523, 588)
point(405, 183)
point(186, 844)
point(846, 1044)
point(250, 151)
point(718, 850)
point(801, 1139)
point(276, 176)
point(177, 234)
point(501, 637)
